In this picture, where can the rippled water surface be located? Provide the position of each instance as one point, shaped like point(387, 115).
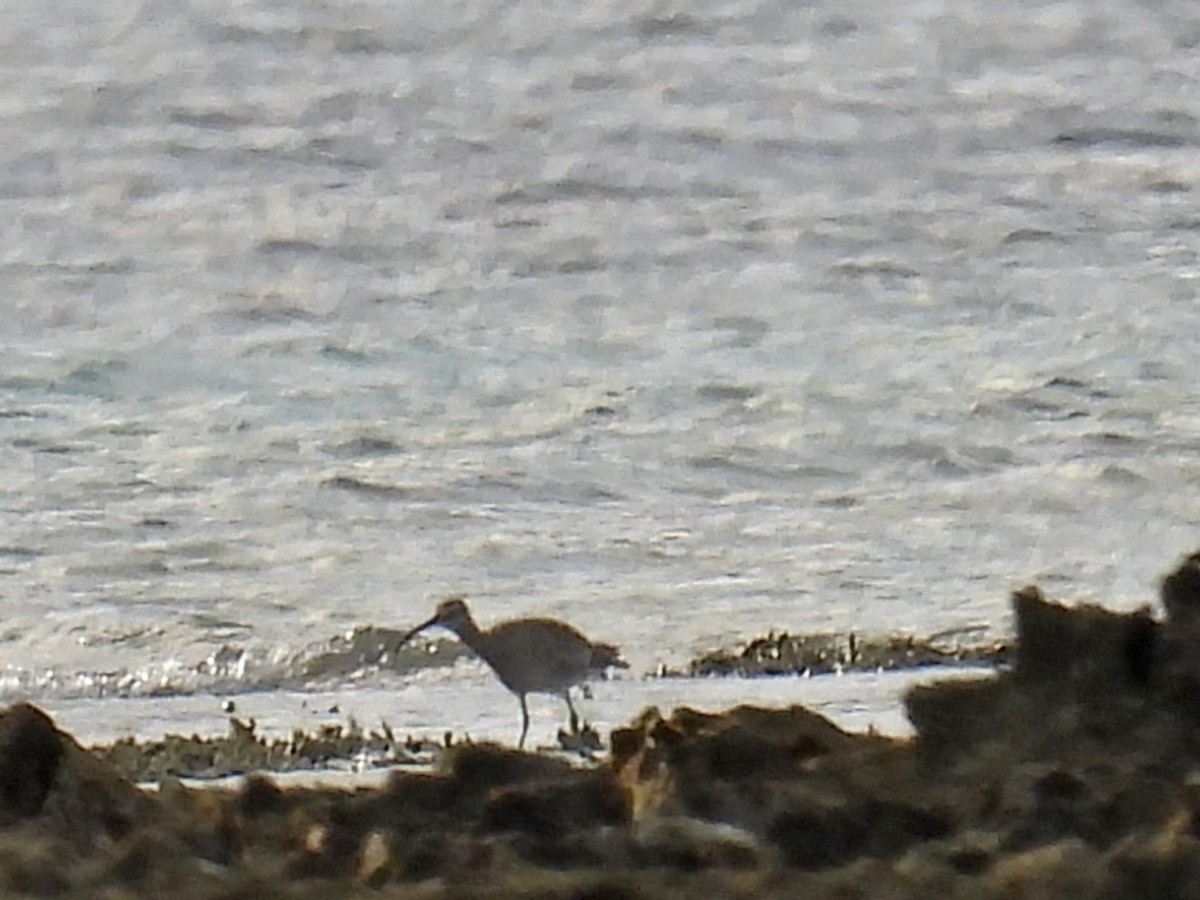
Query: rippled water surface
point(678, 321)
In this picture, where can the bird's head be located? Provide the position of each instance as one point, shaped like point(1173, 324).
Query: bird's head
point(451, 613)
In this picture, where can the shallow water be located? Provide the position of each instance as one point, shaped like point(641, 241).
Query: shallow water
point(681, 322)
point(469, 704)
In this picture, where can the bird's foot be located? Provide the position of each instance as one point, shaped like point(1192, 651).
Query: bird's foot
point(585, 741)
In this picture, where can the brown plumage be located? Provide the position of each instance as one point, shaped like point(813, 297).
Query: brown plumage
point(529, 656)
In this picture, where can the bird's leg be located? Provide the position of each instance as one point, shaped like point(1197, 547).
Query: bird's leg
point(571, 709)
point(524, 722)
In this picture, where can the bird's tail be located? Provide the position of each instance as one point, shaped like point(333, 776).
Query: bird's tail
point(606, 655)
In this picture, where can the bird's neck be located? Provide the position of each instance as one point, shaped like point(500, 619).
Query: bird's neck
point(470, 634)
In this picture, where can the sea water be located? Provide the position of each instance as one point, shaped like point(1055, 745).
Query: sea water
point(679, 321)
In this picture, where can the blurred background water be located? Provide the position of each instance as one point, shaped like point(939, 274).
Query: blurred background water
point(680, 321)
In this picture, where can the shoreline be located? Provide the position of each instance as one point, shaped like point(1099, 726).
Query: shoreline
point(1070, 772)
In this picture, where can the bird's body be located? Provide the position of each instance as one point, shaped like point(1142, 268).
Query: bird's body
point(529, 656)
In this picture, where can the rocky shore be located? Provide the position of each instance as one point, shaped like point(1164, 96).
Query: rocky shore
point(1074, 771)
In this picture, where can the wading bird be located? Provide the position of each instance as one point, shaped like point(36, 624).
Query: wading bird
point(529, 656)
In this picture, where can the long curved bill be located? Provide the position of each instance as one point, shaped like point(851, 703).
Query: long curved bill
point(414, 632)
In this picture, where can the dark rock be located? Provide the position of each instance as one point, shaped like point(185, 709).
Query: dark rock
point(1087, 648)
point(1181, 592)
point(690, 844)
point(45, 774)
point(788, 777)
point(956, 715)
point(821, 837)
point(475, 769)
point(1163, 864)
point(1142, 647)
point(261, 796)
point(553, 808)
point(31, 750)
point(411, 802)
point(32, 863)
point(611, 889)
